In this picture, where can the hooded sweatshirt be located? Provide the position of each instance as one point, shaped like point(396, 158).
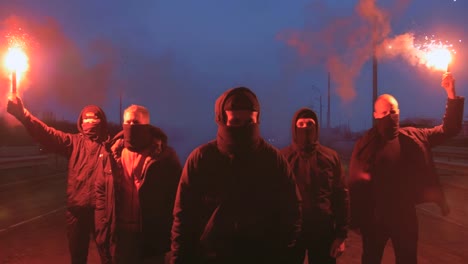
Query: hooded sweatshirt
point(84, 151)
point(237, 141)
point(318, 173)
point(235, 205)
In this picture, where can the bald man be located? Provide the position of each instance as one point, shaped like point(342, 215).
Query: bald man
point(391, 171)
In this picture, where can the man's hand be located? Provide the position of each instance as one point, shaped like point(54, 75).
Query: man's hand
point(448, 82)
point(337, 248)
point(15, 107)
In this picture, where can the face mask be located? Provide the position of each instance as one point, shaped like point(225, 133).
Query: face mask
point(137, 137)
point(306, 137)
point(91, 130)
point(237, 139)
point(388, 126)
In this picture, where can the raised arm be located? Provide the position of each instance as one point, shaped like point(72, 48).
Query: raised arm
point(53, 139)
point(453, 118)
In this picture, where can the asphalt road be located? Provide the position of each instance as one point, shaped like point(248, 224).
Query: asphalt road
point(43, 241)
point(32, 221)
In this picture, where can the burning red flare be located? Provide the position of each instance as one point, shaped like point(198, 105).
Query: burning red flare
point(436, 55)
point(16, 60)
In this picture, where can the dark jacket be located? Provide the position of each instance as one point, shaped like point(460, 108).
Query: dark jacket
point(240, 209)
point(416, 144)
point(86, 157)
point(156, 197)
point(320, 179)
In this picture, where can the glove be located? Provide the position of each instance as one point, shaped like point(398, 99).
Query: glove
point(15, 108)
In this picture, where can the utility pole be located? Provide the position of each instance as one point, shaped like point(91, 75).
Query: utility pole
point(318, 90)
point(374, 82)
point(120, 108)
point(374, 72)
point(321, 122)
point(328, 105)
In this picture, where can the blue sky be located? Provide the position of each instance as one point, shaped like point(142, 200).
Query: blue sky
point(176, 57)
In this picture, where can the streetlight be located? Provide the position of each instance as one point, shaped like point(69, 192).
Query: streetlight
point(375, 72)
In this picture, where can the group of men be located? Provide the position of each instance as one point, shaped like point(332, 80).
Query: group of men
point(239, 199)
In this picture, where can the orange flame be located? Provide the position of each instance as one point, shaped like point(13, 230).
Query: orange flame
point(436, 55)
point(16, 60)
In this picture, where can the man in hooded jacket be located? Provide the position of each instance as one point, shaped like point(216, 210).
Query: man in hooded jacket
point(237, 200)
point(392, 170)
point(325, 204)
point(134, 204)
point(87, 156)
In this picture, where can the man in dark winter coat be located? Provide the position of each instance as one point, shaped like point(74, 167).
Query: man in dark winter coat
point(237, 200)
point(87, 156)
point(134, 207)
point(325, 204)
point(391, 171)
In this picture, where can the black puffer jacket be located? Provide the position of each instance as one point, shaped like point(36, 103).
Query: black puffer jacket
point(320, 179)
point(86, 157)
point(235, 209)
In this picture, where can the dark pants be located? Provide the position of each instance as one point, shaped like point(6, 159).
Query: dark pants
point(317, 248)
point(402, 230)
point(129, 250)
point(80, 228)
point(245, 260)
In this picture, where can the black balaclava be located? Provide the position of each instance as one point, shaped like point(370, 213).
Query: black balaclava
point(305, 139)
point(137, 137)
point(388, 126)
point(236, 140)
point(94, 131)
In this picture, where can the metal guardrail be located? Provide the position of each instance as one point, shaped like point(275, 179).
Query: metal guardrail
point(451, 158)
point(19, 151)
point(27, 161)
point(451, 165)
point(451, 153)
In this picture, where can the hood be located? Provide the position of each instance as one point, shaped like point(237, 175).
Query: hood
point(301, 113)
point(104, 134)
point(220, 116)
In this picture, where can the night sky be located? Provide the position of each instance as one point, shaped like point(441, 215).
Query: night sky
point(177, 57)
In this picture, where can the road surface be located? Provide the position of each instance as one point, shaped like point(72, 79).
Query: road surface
point(32, 220)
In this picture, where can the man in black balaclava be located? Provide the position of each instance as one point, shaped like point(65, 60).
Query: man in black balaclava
point(138, 200)
point(87, 159)
point(237, 199)
point(325, 204)
point(391, 171)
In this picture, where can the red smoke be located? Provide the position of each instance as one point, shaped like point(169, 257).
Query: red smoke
point(345, 44)
point(59, 69)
